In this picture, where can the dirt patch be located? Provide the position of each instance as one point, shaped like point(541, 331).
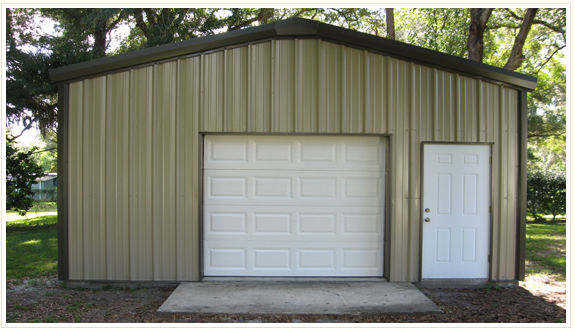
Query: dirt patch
point(45, 300)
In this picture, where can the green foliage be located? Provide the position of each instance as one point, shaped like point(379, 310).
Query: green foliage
point(440, 29)
point(30, 97)
point(21, 171)
point(360, 19)
point(546, 194)
point(158, 26)
point(47, 154)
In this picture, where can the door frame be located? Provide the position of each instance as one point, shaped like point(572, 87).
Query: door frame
point(421, 191)
point(386, 138)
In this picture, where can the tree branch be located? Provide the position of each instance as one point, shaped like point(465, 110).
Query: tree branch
point(261, 15)
point(549, 58)
point(546, 135)
point(516, 57)
point(45, 150)
point(540, 22)
point(150, 15)
point(27, 125)
point(113, 25)
point(141, 24)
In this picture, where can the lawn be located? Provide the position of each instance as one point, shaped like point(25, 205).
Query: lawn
point(31, 247)
point(545, 250)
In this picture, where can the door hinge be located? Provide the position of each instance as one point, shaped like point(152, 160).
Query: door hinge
point(489, 258)
point(489, 208)
point(490, 160)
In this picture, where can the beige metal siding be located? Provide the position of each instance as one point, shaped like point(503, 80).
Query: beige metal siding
point(187, 169)
point(93, 179)
point(117, 167)
point(163, 171)
point(151, 143)
point(140, 175)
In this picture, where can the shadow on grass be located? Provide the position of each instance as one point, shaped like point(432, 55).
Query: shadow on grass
point(33, 224)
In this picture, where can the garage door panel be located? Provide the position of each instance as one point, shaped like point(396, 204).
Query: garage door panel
point(293, 206)
point(293, 153)
point(293, 259)
point(325, 188)
point(281, 223)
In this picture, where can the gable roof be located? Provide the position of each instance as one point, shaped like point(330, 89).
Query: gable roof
point(295, 28)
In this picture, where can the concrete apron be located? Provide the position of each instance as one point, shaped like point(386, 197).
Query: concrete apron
point(301, 296)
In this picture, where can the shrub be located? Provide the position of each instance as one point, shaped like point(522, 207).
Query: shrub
point(21, 171)
point(546, 194)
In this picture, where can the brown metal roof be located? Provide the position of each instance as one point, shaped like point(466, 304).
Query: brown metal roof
point(295, 28)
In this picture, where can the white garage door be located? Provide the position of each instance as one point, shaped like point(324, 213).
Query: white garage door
point(293, 206)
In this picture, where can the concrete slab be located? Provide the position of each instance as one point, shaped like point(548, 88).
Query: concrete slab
point(298, 297)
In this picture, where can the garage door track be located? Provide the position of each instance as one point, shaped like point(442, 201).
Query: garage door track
point(303, 296)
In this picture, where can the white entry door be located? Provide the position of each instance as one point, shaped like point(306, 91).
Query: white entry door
point(293, 206)
point(456, 225)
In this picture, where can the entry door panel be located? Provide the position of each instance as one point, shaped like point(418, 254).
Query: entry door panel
point(456, 225)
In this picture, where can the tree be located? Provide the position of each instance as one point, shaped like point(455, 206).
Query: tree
point(31, 98)
point(21, 171)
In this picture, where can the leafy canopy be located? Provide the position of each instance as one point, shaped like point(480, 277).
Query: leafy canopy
point(82, 34)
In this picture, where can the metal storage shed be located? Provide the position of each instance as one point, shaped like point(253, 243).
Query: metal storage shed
point(295, 148)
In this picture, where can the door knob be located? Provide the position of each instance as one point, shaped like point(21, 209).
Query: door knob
point(427, 220)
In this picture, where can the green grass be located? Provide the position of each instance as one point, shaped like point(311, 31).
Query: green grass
point(38, 207)
point(545, 250)
point(31, 254)
point(32, 246)
point(32, 224)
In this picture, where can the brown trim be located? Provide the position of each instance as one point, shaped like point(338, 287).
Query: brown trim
point(421, 168)
point(387, 212)
point(63, 183)
point(200, 238)
point(521, 185)
point(292, 28)
point(465, 283)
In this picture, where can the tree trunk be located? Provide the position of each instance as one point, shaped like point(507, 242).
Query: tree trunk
point(390, 26)
point(100, 39)
point(516, 57)
point(479, 18)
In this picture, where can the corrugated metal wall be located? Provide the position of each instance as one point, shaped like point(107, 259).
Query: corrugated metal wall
point(135, 145)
